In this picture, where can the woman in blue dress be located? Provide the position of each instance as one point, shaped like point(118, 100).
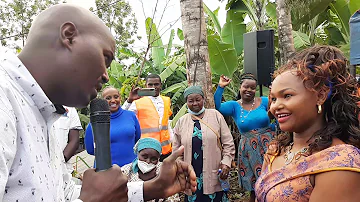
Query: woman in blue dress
point(251, 118)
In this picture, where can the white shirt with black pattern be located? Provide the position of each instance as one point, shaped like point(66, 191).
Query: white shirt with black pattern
point(31, 167)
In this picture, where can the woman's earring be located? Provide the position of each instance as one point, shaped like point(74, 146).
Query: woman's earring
point(319, 109)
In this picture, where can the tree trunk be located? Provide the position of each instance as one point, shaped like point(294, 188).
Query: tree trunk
point(286, 40)
point(196, 47)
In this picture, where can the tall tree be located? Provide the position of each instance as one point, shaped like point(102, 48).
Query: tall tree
point(118, 16)
point(16, 17)
point(286, 40)
point(196, 47)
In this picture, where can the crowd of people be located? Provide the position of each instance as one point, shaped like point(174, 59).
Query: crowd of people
point(296, 144)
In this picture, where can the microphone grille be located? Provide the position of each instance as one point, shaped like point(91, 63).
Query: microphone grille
point(99, 111)
point(98, 105)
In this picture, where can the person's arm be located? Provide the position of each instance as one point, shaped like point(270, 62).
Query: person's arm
point(89, 140)
point(129, 103)
point(228, 145)
point(131, 106)
point(137, 129)
point(73, 144)
point(8, 140)
point(226, 108)
point(177, 138)
point(336, 186)
point(74, 135)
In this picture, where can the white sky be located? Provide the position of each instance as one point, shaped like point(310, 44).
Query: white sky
point(171, 14)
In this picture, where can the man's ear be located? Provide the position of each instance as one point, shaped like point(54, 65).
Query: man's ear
point(68, 32)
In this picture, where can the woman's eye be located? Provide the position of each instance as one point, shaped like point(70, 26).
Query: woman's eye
point(287, 95)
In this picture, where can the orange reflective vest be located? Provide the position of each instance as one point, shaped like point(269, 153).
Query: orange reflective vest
point(150, 121)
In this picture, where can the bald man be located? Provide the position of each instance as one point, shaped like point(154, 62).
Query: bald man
point(63, 63)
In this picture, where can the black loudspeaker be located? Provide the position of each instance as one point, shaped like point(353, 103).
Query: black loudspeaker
point(259, 56)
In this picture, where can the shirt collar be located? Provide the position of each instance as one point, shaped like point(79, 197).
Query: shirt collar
point(21, 75)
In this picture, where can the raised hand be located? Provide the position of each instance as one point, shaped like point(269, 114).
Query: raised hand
point(133, 95)
point(224, 81)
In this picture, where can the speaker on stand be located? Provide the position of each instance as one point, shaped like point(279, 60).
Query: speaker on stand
point(259, 58)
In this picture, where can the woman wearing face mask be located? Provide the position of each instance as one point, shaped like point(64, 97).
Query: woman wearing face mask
point(251, 118)
point(147, 165)
point(124, 130)
point(209, 146)
point(316, 156)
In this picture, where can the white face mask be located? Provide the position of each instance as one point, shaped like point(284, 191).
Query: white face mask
point(145, 167)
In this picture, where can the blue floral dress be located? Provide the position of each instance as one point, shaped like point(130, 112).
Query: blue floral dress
point(197, 163)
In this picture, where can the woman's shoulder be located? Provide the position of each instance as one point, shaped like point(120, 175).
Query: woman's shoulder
point(343, 156)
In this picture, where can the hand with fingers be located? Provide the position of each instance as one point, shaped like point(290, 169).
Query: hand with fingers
point(224, 171)
point(133, 95)
point(104, 186)
point(224, 81)
point(175, 176)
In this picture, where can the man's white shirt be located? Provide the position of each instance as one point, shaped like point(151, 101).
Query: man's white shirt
point(68, 121)
point(31, 161)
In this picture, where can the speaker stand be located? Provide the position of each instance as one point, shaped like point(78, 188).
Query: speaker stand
point(261, 91)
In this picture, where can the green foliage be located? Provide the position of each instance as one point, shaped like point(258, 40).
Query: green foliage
point(213, 18)
point(301, 40)
point(304, 10)
point(16, 17)
point(118, 16)
point(181, 112)
point(223, 58)
point(180, 34)
point(342, 11)
point(354, 5)
point(233, 30)
point(170, 43)
point(156, 44)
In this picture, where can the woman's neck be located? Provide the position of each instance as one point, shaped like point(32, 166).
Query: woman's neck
point(301, 139)
point(243, 101)
point(147, 176)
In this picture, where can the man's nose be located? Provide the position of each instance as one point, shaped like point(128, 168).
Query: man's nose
point(105, 77)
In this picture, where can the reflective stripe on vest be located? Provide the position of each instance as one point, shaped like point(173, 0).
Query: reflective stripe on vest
point(166, 142)
point(153, 130)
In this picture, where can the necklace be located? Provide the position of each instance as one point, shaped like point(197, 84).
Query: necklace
point(242, 116)
point(290, 156)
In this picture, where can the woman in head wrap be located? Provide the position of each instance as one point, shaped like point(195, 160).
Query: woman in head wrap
point(209, 146)
point(146, 166)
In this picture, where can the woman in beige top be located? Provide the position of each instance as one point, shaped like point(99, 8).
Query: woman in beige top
point(209, 146)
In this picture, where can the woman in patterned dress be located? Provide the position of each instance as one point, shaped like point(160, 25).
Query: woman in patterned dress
point(147, 165)
point(316, 157)
point(251, 117)
point(209, 146)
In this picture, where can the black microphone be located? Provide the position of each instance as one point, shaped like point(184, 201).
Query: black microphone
point(100, 123)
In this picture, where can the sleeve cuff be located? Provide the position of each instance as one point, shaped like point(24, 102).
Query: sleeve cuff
point(226, 161)
point(126, 105)
point(77, 200)
point(135, 191)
